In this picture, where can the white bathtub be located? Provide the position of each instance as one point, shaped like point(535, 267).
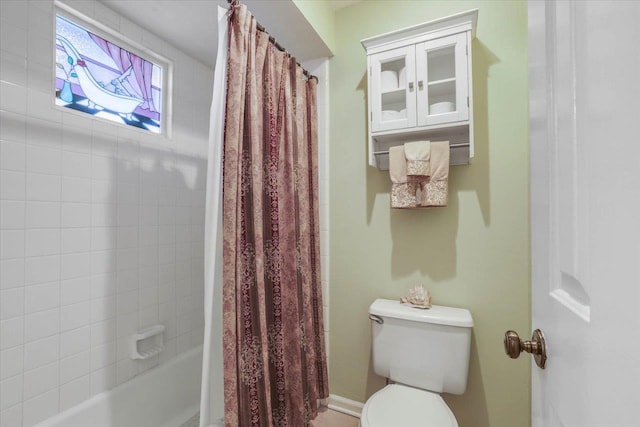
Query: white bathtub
point(165, 396)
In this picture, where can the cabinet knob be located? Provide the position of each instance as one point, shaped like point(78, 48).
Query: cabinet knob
point(411, 86)
point(420, 84)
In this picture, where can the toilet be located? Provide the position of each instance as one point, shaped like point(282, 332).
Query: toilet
point(422, 353)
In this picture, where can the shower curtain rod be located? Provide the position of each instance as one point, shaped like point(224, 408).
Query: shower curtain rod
point(273, 41)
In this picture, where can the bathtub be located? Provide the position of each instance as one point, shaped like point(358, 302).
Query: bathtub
point(165, 396)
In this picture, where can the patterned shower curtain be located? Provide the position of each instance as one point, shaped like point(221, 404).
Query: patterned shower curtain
point(274, 352)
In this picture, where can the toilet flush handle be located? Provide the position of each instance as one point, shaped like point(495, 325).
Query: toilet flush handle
point(376, 319)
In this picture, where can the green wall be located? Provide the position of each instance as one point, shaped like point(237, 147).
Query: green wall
point(473, 253)
point(320, 15)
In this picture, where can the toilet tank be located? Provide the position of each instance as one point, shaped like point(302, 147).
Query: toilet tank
point(427, 349)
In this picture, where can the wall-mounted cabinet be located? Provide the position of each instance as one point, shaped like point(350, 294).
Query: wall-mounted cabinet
point(420, 87)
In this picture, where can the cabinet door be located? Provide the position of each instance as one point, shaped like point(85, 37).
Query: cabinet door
point(442, 80)
point(392, 95)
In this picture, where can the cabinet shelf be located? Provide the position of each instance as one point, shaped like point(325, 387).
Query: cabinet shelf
point(444, 89)
point(393, 96)
point(439, 82)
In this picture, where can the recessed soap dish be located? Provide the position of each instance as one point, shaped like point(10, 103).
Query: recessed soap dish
point(148, 342)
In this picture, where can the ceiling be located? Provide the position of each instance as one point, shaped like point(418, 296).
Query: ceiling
point(190, 25)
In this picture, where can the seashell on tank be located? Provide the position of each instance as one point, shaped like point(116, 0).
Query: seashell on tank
point(418, 297)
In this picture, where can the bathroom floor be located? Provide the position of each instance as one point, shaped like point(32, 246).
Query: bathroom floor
point(326, 418)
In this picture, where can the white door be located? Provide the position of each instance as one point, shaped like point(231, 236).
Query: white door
point(443, 84)
point(585, 215)
point(392, 90)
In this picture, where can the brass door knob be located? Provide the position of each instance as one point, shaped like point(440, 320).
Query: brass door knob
point(513, 346)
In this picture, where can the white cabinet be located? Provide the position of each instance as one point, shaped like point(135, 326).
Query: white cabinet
point(420, 87)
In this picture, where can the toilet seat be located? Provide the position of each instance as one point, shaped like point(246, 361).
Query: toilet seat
point(402, 406)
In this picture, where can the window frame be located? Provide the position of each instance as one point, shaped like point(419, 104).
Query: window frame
point(108, 33)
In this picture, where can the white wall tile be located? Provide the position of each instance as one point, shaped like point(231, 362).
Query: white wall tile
point(75, 366)
point(42, 214)
point(43, 132)
point(103, 332)
point(12, 214)
point(103, 144)
point(103, 356)
point(41, 352)
point(41, 380)
point(76, 190)
point(127, 215)
point(13, 415)
point(41, 297)
point(74, 392)
point(125, 370)
point(11, 244)
point(12, 185)
point(13, 36)
point(41, 324)
point(104, 238)
point(103, 308)
point(41, 242)
point(12, 128)
point(75, 316)
point(76, 265)
point(103, 215)
point(11, 273)
point(126, 324)
point(10, 392)
point(103, 168)
point(76, 215)
point(76, 240)
point(46, 188)
point(11, 362)
point(13, 97)
point(43, 160)
point(127, 237)
point(75, 341)
point(42, 269)
point(14, 11)
point(76, 290)
point(103, 379)
point(11, 333)
point(103, 192)
point(40, 408)
point(76, 165)
point(38, 78)
point(11, 303)
point(74, 139)
point(12, 154)
point(127, 302)
point(103, 262)
point(103, 285)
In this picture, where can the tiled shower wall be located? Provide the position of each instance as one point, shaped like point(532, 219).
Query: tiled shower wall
point(101, 226)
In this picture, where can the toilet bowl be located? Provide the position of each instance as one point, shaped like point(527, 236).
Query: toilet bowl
point(398, 405)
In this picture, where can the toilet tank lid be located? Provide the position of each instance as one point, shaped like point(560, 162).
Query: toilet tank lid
point(437, 314)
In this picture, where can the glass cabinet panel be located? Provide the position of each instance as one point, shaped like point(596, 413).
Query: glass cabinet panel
point(442, 80)
point(392, 89)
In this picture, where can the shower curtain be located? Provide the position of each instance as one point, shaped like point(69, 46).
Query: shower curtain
point(211, 403)
point(274, 352)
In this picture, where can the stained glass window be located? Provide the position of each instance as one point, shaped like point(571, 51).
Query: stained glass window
point(98, 77)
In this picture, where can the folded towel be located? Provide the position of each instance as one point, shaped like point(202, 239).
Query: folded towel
point(418, 154)
point(434, 192)
point(403, 193)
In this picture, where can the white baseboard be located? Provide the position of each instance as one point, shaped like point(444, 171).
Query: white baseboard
point(346, 406)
